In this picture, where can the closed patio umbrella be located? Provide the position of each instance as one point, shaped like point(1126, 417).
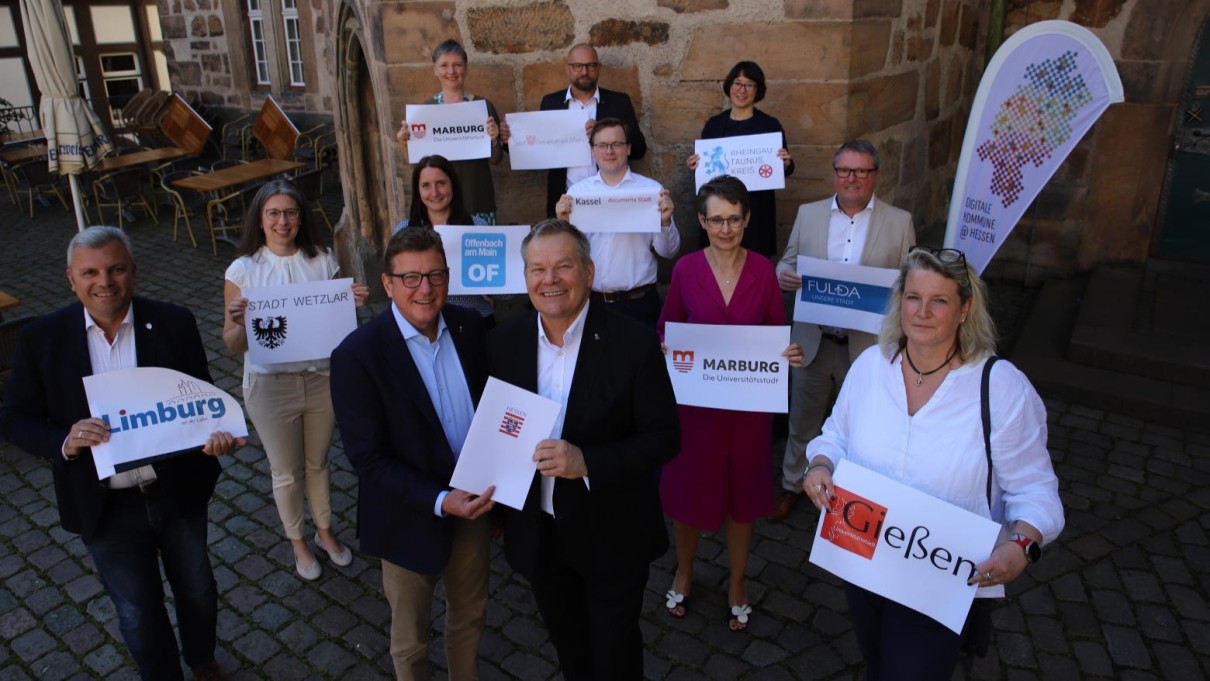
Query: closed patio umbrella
point(75, 140)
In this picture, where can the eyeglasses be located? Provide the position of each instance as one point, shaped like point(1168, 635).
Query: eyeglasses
point(588, 66)
point(273, 214)
point(736, 85)
point(732, 221)
point(609, 145)
point(948, 256)
point(859, 173)
point(412, 279)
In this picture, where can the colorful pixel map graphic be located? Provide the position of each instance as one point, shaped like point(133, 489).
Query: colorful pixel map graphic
point(1033, 122)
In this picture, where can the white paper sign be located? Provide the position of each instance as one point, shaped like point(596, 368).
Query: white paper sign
point(615, 211)
point(903, 544)
point(751, 158)
point(729, 367)
point(548, 139)
point(499, 448)
point(153, 411)
point(298, 322)
point(843, 295)
point(484, 260)
point(455, 131)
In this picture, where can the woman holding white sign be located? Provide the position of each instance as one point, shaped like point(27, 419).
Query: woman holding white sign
point(911, 409)
point(449, 66)
point(289, 403)
point(744, 86)
point(437, 200)
point(723, 473)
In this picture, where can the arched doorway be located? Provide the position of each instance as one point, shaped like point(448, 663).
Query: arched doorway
point(365, 229)
point(1184, 225)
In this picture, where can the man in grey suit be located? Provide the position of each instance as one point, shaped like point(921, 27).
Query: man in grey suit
point(854, 227)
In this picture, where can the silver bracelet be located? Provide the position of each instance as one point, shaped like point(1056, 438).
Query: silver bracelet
point(818, 465)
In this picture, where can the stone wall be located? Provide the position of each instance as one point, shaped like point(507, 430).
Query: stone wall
point(899, 72)
point(207, 44)
point(1103, 203)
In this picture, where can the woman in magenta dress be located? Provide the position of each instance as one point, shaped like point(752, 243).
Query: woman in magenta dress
point(723, 475)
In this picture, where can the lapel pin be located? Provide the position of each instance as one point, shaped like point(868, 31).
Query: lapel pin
point(148, 326)
point(596, 336)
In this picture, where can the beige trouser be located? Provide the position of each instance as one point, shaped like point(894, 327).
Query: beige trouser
point(410, 596)
point(812, 390)
point(293, 416)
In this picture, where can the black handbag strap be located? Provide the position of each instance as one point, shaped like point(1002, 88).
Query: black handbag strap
point(984, 392)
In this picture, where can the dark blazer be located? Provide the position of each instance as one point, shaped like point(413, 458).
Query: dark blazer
point(612, 105)
point(393, 437)
point(45, 396)
point(622, 414)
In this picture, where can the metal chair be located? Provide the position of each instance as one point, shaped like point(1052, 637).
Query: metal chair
point(226, 213)
point(233, 137)
point(310, 183)
point(34, 176)
point(123, 189)
point(182, 208)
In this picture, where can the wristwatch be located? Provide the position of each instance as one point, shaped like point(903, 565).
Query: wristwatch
point(1032, 551)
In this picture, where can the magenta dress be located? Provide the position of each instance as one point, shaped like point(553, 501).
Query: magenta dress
point(725, 467)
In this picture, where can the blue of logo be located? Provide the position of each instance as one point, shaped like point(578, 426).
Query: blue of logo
point(850, 294)
point(483, 260)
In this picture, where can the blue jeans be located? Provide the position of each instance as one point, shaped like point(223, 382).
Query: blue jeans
point(136, 528)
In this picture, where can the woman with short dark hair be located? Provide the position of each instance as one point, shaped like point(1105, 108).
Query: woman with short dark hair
point(744, 86)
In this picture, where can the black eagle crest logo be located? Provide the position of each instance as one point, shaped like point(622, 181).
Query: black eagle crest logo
point(270, 332)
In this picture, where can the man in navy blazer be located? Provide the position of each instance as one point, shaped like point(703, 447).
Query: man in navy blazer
point(404, 387)
point(591, 523)
point(583, 68)
point(126, 520)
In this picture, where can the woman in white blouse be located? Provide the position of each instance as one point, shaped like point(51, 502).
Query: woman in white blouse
point(910, 409)
point(289, 403)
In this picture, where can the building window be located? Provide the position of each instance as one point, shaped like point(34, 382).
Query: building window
point(293, 42)
point(260, 55)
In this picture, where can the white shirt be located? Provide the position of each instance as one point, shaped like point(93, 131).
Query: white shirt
point(623, 259)
point(939, 450)
point(105, 357)
point(556, 368)
point(577, 173)
point(265, 268)
point(847, 235)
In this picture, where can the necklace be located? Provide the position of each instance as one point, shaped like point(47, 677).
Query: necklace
point(712, 260)
point(921, 374)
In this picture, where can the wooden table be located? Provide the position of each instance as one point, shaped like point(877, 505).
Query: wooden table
point(237, 175)
point(139, 158)
point(7, 301)
point(19, 154)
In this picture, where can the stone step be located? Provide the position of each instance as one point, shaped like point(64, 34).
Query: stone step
point(1136, 321)
point(1040, 353)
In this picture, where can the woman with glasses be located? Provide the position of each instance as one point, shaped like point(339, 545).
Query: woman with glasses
point(722, 476)
point(289, 403)
point(911, 410)
point(437, 200)
point(744, 87)
point(450, 66)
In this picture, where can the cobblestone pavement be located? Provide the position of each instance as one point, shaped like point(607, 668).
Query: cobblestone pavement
point(1121, 594)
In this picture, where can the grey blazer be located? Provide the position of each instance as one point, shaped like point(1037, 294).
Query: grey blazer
point(891, 236)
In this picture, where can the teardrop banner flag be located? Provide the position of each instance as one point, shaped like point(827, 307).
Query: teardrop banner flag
point(153, 413)
point(1043, 90)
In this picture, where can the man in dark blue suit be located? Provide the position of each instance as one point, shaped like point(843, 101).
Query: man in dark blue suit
point(135, 520)
point(592, 522)
point(404, 387)
point(583, 68)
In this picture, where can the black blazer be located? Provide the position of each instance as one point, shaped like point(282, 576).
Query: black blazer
point(612, 105)
point(45, 396)
point(622, 413)
point(393, 437)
